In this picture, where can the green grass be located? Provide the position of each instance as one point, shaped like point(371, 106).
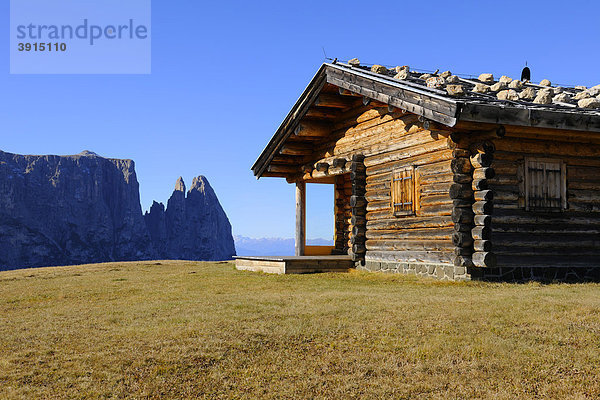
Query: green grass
point(187, 330)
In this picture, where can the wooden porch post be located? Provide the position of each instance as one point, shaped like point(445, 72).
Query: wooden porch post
point(300, 217)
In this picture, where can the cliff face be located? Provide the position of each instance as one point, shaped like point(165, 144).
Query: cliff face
point(62, 210)
point(195, 226)
point(59, 210)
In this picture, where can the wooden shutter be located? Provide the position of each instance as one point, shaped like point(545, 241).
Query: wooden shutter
point(545, 182)
point(403, 192)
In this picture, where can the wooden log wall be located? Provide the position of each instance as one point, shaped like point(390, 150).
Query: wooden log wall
point(535, 238)
point(358, 204)
point(461, 193)
point(390, 140)
point(482, 156)
point(343, 214)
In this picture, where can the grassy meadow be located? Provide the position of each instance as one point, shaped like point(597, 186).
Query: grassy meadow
point(173, 329)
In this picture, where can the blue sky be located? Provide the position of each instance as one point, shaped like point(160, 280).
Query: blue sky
point(224, 75)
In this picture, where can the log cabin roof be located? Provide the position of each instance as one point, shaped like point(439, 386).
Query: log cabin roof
point(437, 97)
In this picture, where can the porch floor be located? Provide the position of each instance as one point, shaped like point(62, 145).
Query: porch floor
point(294, 264)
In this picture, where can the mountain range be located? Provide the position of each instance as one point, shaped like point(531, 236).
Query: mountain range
point(246, 246)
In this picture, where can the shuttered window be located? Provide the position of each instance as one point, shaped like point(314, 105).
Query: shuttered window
point(545, 185)
point(403, 191)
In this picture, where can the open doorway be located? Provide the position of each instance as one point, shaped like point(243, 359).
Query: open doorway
point(320, 219)
point(328, 217)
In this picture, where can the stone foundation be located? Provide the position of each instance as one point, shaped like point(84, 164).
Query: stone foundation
point(539, 274)
point(436, 271)
point(500, 274)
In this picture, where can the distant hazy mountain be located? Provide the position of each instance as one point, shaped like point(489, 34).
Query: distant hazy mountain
point(246, 246)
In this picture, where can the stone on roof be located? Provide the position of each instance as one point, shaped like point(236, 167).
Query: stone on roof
point(379, 69)
point(485, 89)
point(355, 62)
point(435, 82)
point(498, 86)
point(561, 98)
point(515, 84)
point(528, 93)
point(508, 95)
point(486, 78)
point(594, 91)
point(543, 97)
point(455, 90)
point(402, 74)
point(582, 95)
point(481, 88)
point(589, 103)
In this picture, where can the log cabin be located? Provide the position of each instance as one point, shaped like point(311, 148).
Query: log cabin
point(443, 176)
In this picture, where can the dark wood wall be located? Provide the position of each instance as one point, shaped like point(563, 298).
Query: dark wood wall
point(538, 238)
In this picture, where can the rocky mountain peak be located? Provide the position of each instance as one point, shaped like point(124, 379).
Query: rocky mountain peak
point(199, 183)
point(193, 227)
point(180, 185)
point(88, 153)
point(156, 206)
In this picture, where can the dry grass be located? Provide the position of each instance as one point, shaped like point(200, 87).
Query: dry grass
point(186, 330)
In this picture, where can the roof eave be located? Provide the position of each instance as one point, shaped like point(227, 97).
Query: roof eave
point(291, 120)
point(530, 117)
point(395, 93)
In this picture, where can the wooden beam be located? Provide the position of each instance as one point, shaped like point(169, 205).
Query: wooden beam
point(326, 179)
point(295, 150)
point(300, 218)
point(328, 100)
point(322, 113)
point(345, 92)
point(286, 169)
point(293, 178)
point(322, 166)
point(315, 174)
point(339, 162)
point(289, 160)
point(312, 129)
point(378, 104)
point(268, 174)
point(307, 168)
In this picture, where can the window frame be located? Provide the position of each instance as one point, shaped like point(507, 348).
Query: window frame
point(413, 188)
point(563, 184)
